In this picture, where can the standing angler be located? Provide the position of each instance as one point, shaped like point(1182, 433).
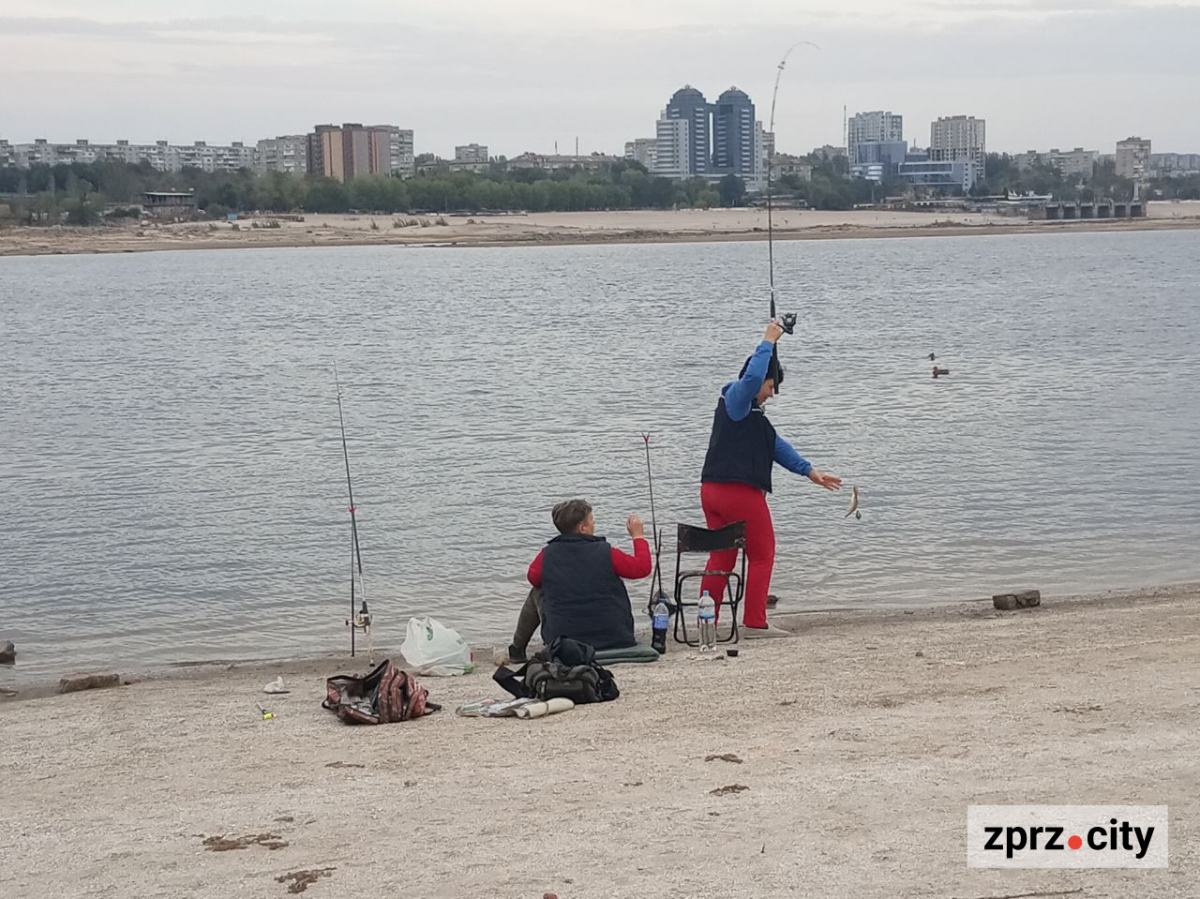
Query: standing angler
point(736, 479)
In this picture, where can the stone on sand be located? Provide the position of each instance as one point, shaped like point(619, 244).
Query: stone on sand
point(73, 683)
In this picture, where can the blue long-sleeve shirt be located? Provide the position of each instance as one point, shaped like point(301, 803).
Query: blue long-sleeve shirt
point(739, 402)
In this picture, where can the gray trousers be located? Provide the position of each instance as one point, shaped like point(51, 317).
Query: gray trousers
point(529, 620)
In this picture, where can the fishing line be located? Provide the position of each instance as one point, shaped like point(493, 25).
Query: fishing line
point(360, 619)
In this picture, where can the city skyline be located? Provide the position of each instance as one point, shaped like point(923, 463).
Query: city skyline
point(540, 74)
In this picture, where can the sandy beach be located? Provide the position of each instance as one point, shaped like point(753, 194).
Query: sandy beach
point(561, 228)
point(859, 742)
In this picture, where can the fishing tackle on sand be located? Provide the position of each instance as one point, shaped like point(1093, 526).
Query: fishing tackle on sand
point(656, 589)
point(360, 618)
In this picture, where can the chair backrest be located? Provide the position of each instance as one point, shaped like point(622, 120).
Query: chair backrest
point(692, 539)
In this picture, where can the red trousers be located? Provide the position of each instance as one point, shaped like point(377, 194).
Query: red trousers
point(724, 504)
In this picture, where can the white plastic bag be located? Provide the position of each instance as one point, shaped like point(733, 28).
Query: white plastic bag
point(434, 650)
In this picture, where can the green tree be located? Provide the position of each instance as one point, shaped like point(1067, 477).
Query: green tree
point(732, 190)
point(326, 195)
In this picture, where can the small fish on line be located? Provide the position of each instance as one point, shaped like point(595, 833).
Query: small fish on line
point(853, 510)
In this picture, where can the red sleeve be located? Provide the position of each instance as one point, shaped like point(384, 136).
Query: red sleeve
point(535, 570)
point(638, 565)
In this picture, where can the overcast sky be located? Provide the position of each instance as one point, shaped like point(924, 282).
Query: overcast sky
point(520, 74)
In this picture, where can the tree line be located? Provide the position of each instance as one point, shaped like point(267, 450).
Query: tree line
point(84, 190)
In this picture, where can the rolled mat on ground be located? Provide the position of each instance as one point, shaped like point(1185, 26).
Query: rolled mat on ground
point(514, 708)
point(627, 655)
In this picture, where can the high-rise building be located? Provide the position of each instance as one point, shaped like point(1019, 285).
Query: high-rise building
point(1067, 162)
point(1133, 159)
point(689, 105)
point(673, 156)
point(162, 156)
point(288, 154)
point(960, 139)
point(1162, 165)
point(643, 150)
point(354, 150)
point(872, 128)
point(471, 153)
point(733, 133)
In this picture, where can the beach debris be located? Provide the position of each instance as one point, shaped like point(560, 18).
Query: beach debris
point(772, 600)
point(853, 510)
point(724, 757)
point(221, 843)
point(302, 880)
point(4, 691)
point(549, 895)
point(344, 765)
point(1079, 709)
point(1026, 599)
point(920, 655)
point(728, 788)
point(276, 687)
point(284, 819)
point(1047, 894)
point(788, 702)
point(632, 783)
point(8, 653)
point(73, 683)
point(267, 714)
point(410, 783)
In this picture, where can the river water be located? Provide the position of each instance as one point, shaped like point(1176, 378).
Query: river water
point(171, 470)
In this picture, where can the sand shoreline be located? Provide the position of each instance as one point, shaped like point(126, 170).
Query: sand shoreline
point(859, 743)
point(558, 229)
point(486, 646)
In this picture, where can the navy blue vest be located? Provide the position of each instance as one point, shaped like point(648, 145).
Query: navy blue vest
point(584, 598)
point(740, 452)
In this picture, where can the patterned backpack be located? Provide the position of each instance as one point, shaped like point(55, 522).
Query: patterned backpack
point(384, 696)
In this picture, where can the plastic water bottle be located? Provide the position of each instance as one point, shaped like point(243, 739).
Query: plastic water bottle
point(660, 618)
point(706, 621)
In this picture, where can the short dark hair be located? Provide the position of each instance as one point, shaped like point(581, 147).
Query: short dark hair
point(570, 514)
point(774, 370)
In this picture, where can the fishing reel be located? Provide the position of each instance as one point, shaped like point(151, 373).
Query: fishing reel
point(361, 620)
point(787, 321)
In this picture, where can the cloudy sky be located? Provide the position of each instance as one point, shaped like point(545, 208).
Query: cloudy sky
point(520, 74)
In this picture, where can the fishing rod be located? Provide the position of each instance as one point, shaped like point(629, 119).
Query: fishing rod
point(360, 619)
point(788, 320)
point(656, 589)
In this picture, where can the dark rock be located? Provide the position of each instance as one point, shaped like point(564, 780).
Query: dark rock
point(920, 655)
point(772, 600)
point(1026, 599)
point(8, 653)
point(73, 683)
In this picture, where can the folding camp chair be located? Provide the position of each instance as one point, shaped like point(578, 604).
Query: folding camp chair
point(691, 539)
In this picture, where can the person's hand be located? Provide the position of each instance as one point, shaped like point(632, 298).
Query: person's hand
point(774, 332)
point(636, 530)
point(828, 481)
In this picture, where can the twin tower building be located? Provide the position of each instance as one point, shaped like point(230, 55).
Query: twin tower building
point(695, 138)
